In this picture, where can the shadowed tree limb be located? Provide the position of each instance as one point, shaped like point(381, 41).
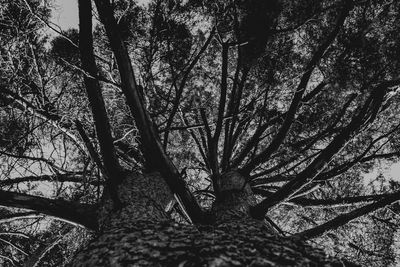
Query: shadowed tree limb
point(47, 161)
point(197, 141)
point(345, 218)
point(255, 138)
point(230, 109)
point(332, 173)
point(67, 177)
point(340, 201)
point(360, 158)
point(153, 152)
point(314, 92)
point(329, 202)
point(182, 86)
point(89, 146)
point(213, 142)
point(71, 212)
point(314, 168)
point(102, 125)
point(252, 142)
point(284, 129)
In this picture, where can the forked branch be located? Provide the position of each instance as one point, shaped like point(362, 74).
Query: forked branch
point(298, 96)
point(153, 151)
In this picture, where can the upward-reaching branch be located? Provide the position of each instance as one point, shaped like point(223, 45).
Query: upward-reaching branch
point(213, 141)
point(103, 129)
point(230, 110)
point(365, 113)
point(345, 218)
point(154, 154)
point(298, 96)
point(183, 84)
point(92, 152)
point(129, 86)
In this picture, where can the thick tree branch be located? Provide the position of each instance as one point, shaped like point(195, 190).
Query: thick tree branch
point(280, 137)
point(213, 142)
point(68, 177)
point(197, 141)
point(89, 146)
point(340, 201)
point(230, 110)
point(314, 168)
point(154, 154)
point(326, 203)
point(103, 129)
point(359, 159)
point(345, 218)
point(254, 140)
point(223, 93)
point(183, 84)
point(306, 144)
point(232, 135)
point(71, 212)
point(314, 92)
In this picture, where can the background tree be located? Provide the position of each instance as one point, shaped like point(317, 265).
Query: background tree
point(211, 132)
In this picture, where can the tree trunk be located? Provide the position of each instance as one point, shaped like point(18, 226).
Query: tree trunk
point(142, 234)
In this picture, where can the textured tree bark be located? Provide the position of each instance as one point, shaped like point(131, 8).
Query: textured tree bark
point(141, 234)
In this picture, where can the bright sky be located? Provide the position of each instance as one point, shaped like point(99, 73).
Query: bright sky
point(65, 13)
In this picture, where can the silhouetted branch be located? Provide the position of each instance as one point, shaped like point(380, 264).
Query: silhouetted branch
point(68, 177)
point(92, 151)
point(154, 154)
point(284, 129)
point(183, 84)
point(72, 212)
point(345, 218)
point(318, 164)
point(93, 90)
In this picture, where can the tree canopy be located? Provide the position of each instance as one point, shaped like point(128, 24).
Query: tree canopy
point(299, 97)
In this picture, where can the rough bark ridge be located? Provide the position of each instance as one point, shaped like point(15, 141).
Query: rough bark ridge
point(140, 234)
point(235, 198)
point(143, 197)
